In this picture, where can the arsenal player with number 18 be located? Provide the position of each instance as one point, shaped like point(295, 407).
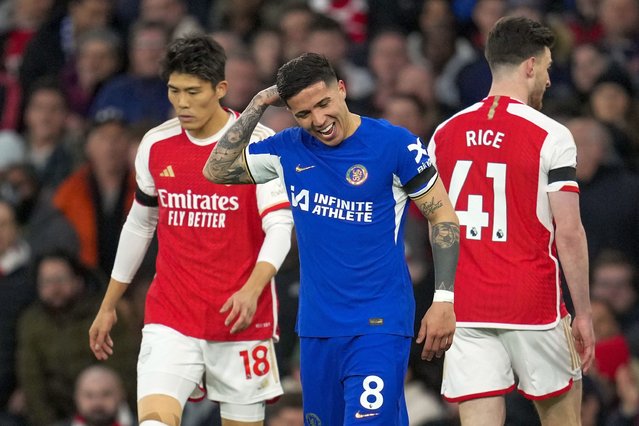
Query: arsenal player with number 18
point(211, 310)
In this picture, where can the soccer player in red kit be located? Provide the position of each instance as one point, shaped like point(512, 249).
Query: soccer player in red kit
point(211, 310)
point(510, 173)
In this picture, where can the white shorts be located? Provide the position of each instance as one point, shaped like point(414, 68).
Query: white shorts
point(171, 363)
point(483, 362)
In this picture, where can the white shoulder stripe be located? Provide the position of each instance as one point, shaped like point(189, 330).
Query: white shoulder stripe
point(538, 118)
point(163, 131)
point(467, 110)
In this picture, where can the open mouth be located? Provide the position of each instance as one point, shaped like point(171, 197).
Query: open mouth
point(327, 131)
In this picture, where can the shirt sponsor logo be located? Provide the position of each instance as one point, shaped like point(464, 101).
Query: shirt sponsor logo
point(421, 155)
point(332, 207)
point(197, 210)
point(356, 175)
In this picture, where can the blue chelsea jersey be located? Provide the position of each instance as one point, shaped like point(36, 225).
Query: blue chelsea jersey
point(349, 207)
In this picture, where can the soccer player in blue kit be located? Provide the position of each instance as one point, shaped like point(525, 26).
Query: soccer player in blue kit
point(349, 178)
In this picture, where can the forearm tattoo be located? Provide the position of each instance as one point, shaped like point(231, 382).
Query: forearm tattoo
point(445, 243)
point(429, 207)
point(224, 163)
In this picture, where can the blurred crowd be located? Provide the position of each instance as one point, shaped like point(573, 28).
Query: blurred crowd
point(80, 85)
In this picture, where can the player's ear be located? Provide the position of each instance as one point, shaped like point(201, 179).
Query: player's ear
point(529, 66)
point(341, 87)
point(221, 88)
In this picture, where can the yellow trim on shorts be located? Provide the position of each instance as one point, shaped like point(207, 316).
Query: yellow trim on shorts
point(575, 361)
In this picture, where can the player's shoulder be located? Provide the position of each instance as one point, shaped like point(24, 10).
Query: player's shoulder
point(458, 116)
point(164, 131)
point(539, 119)
point(261, 132)
point(383, 130)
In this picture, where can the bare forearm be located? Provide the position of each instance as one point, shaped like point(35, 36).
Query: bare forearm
point(573, 254)
point(114, 293)
point(225, 164)
point(261, 275)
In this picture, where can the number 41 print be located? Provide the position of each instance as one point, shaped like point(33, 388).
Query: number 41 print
point(475, 218)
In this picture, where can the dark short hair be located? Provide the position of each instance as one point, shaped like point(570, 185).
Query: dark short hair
point(323, 23)
point(197, 55)
point(302, 72)
point(515, 39)
point(139, 27)
point(70, 259)
point(47, 84)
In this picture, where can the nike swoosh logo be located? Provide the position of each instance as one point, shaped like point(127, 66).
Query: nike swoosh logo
point(299, 168)
point(359, 415)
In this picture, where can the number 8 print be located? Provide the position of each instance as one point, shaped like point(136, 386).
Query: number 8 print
point(374, 392)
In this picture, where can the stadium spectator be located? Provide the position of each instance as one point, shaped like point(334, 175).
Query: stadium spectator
point(16, 293)
point(173, 14)
point(96, 198)
point(99, 399)
point(243, 80)
point(49, 144)
point(327, 37)
point(607, 190)
point(98, 58)
point(52, 338)
point(138, 95)
point(56, 41)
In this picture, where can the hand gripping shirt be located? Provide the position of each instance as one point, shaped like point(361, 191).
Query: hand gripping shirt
point(499, 159)
point(349, 206)
point(209, 235)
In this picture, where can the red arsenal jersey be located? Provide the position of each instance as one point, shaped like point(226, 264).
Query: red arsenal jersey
point(209, 235)
point(498, 160)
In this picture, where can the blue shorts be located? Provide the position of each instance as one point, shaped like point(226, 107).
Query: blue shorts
point(354, 380)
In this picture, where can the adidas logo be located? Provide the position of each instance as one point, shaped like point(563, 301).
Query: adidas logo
point(168, 172)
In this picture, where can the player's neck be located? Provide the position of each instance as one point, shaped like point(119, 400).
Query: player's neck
point(216, 122)
point(354, 121)
point(510, 88)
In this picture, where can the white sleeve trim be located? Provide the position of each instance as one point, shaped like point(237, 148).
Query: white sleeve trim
point(277, 226)
point(563, 185)
point(135, 238)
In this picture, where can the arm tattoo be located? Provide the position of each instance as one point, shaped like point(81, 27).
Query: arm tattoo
point(429, 208)
point(225, 164)
point(445, 243)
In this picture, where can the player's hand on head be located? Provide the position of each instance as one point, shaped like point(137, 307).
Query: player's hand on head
point(582, 331)
point(100, 340)
point(270, 96)
point(241, 307)
point(437, 330)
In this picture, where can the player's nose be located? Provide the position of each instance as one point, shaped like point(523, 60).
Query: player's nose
point(318, 119)
point(182, 100)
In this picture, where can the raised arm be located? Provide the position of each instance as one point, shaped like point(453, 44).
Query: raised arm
point(226, 163)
